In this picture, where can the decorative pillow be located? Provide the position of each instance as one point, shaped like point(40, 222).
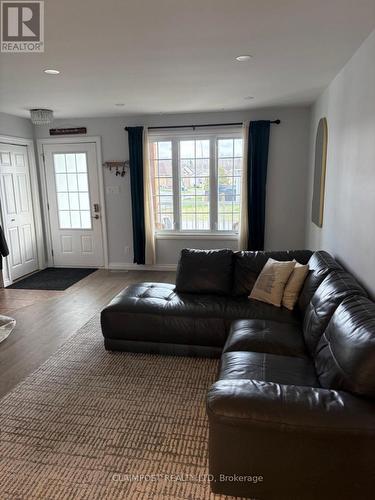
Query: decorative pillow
point(294, 285)
point(205, 271)
point(270, 285)
point(6, 326)
point(247, 266)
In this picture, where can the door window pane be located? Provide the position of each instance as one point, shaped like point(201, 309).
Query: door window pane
point(73, 201)
point(63, 201)
point(64, 217)
point(85, 219)
point(71, 163)
point(81, 162)
point(84, 201)
point(59, 163)
point(73, 198)
point(72, 182)
point(61, 183)
point(82, 182)
point(75, 219)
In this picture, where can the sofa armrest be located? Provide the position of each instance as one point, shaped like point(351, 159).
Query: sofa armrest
point(287, 407)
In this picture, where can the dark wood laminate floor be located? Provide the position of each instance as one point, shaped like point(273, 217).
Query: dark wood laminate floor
point(46, 319)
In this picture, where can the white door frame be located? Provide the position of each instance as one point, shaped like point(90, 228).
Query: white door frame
point(35, 195)
point(71, 140)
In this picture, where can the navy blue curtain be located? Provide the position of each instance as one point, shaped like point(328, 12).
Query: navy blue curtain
point(257, 159)
point(135, 137)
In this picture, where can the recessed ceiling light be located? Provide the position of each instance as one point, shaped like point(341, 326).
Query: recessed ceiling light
point(120, 104)
point(51, 71)
point(249, 97)
point(244, 58)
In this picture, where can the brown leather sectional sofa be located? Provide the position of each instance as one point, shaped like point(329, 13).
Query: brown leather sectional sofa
point(292, 414)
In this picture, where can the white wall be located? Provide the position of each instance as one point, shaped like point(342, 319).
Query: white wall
point(16, 126)
point(349, 212)
point(288, 164)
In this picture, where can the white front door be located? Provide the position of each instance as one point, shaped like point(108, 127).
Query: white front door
point(74, 204)
point(17, 210)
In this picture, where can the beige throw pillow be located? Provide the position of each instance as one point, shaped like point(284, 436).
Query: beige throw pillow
point(271, 282)
point(294, 285)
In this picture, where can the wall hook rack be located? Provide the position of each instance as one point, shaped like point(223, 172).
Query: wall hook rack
point(119, 167)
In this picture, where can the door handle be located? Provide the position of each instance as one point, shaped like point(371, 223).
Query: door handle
point(96, 208)
point(95, 216)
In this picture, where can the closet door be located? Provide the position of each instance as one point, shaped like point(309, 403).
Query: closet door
point(17, 210)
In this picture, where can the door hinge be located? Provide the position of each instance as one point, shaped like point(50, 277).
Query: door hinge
point(43, 158)
point(47, 205)
point(52, 252)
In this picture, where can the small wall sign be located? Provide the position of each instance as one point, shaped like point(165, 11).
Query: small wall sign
point(68, 131)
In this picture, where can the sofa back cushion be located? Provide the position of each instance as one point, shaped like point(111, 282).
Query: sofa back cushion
point(205, 271)
point(335, 287)
point(248, 265)
point(345, 356)
point(320, 265)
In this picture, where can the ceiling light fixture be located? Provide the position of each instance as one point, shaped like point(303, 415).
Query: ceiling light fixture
point(51, 71)
point(41, 116)
point(249, 97)
point(120, 104)
point(244, 58)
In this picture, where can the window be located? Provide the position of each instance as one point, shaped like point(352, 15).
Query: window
point(72, 190)
point(196, 182)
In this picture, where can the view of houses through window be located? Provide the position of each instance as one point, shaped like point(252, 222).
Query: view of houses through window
point(196, 182)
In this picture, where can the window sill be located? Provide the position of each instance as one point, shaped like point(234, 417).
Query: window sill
point(196, 236)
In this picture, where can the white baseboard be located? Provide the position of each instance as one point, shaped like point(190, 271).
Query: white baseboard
point(128, 266)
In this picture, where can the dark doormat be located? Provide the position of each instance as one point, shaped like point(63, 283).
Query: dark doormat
point(53, 278)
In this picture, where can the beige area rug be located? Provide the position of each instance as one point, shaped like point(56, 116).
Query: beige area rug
point(90, 424)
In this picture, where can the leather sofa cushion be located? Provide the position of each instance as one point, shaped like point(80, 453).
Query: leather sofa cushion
point(248, 265)
point(265, 336)
point(244, 308)
point(345, 356)
point(205, 271)
point(320, 265)
point(331, 292)
point(153, 312)
point(239, 365)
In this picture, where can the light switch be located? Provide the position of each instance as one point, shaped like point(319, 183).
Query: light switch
point(113, 190)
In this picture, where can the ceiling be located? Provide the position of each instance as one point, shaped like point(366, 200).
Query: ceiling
point(170, 56)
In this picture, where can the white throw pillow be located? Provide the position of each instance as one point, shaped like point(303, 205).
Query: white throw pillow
point(271, 282)
point(6, 326)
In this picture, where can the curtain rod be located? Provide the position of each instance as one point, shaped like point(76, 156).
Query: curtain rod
point(277, 122)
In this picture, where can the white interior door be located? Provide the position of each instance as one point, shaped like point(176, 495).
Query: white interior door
point(74, 204)
point(17, 210)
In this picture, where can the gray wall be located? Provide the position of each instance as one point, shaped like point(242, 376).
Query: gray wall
point(286, 192)
point(16, 126)
point(349, 212)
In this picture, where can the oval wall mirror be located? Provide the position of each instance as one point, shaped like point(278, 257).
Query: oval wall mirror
point(320, 172)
